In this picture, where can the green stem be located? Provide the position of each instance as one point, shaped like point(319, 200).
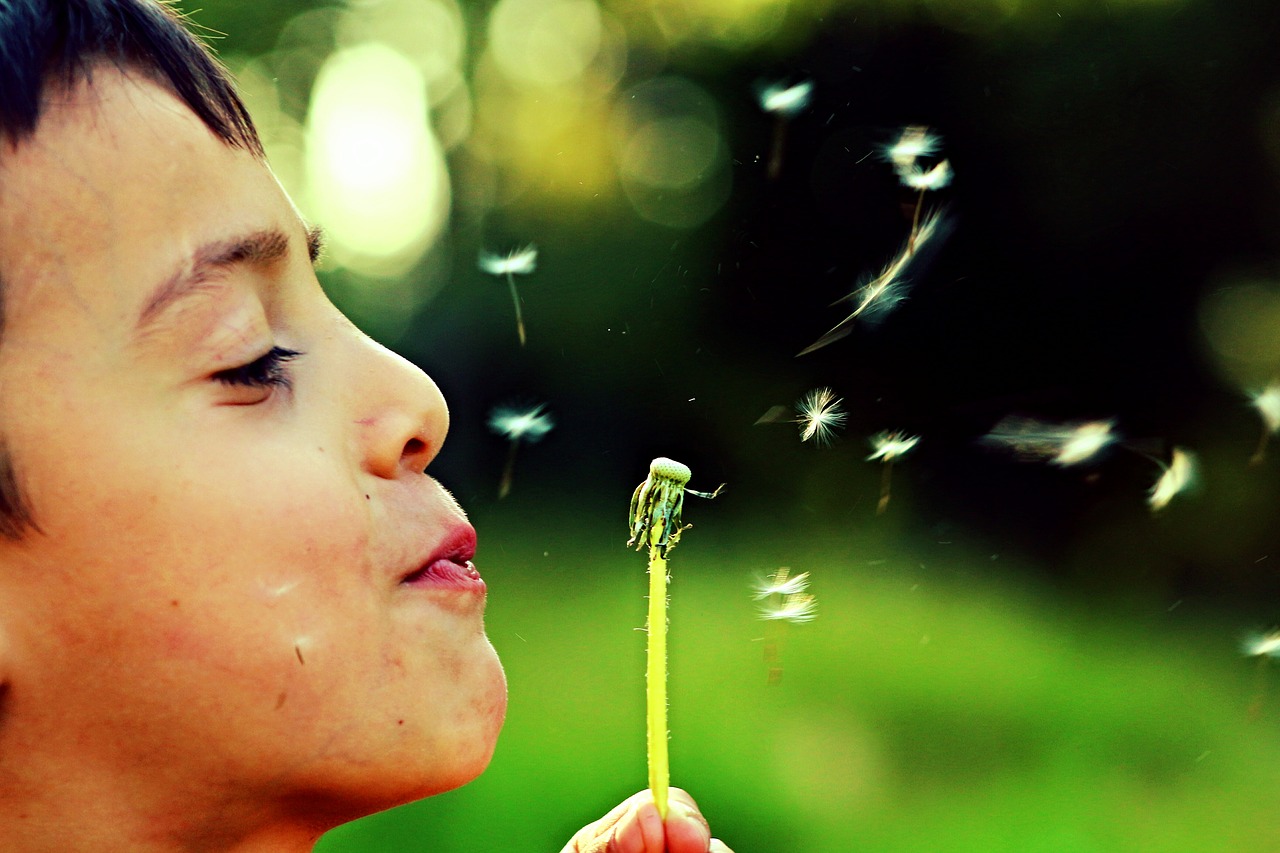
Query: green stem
point(515, 300)
point(656, 677)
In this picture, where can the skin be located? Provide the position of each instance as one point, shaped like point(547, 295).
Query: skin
point(207, 645)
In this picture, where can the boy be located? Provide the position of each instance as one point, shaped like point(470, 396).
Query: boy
point(234, 611)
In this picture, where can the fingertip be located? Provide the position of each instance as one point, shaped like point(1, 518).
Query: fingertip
point(651, 827)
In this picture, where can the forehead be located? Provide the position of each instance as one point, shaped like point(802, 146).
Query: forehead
point(119, 182)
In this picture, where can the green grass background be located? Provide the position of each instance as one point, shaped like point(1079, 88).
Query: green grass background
point(942, 701)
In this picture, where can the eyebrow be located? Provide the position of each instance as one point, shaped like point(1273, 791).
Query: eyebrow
point(257, 248)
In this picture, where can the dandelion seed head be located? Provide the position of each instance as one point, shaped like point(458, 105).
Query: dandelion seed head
point(516, 424)
point(1258, 645)
point(1267, 402)
point(780, 584)
point(1176, 478)
point(927, 180)
point(1083, 442)
point(915, 141)
point(516, 262)
point(820, 415)
point(890, 445)
point(800, 607)
point(786, 100)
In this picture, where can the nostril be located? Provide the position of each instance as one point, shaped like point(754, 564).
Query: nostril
point(414, 447)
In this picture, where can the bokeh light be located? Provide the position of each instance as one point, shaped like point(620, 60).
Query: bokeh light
point(1240, 320)
point(377, 178)
point(671, 156)
point(545, 42)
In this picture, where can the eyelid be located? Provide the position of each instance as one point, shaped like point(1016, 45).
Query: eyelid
point(266, 371)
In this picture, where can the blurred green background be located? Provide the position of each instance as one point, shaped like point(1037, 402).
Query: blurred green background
point(1014, 656)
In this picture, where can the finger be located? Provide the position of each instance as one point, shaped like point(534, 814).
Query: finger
point(686, 829)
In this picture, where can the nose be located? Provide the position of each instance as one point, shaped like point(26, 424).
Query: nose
point(402, 418)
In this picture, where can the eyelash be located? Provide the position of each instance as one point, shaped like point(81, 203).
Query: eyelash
point(269, 371)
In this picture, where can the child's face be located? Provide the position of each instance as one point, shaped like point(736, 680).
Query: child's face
point(214, 602)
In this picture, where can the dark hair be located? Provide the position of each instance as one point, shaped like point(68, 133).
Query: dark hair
point(55, 44)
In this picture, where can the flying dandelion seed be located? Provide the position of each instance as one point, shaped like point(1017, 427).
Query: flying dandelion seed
point(517, 425)
point(886, 447)
point(1259, 645)
point(516, 262)
point(796, 608)
point(820, 415)
point(1178, 476)
point(780, 585)
point(786, 100)
point(913, 142)
point(882, 294)
point(788, 603)
point(783, 102)
point(1083, 442)
point(1267, 402)
point(1063, 444)
point(929, 180)
point(1263, 647)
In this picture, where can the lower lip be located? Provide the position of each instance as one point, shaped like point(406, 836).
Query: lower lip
point(447, 574)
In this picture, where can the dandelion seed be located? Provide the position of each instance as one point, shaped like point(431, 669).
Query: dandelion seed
point(517, 262)
point(780, 584)
point(1083, 442)
point(797, 608)
point(888, 446)
point(1178, 475)
point(788, 603)
point(935, 178)
point(1259, 645)
point(1267, 402)
point(915, 141)
point(518, 425)
point(1060, 444)
point(781, 99)
point(783, 102)
point(820, 415)
point(883, 293)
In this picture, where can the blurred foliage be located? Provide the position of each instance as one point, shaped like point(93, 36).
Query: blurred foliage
point(1114, 257)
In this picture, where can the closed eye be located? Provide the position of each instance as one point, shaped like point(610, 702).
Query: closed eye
point(269, 371)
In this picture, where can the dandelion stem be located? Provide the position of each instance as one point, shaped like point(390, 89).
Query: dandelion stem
point(915, 223)
point(779, 142)
point(886, 478)
point(656, 678)
point(508, 470)
point(515, 300)
point(1260, 455)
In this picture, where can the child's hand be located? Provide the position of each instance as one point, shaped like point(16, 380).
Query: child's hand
point(634, 827)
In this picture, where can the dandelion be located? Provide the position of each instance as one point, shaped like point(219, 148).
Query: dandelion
point(518, 425)
point(886, 447)
point(655, 521)
point(1063, 444)
point(1178, 475)
point(882, 294)
point(1267, 402)
point(788, 602)
point(783, 102)
point(517, 262)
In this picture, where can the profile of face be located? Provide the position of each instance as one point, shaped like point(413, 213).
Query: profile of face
point(243, 591)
